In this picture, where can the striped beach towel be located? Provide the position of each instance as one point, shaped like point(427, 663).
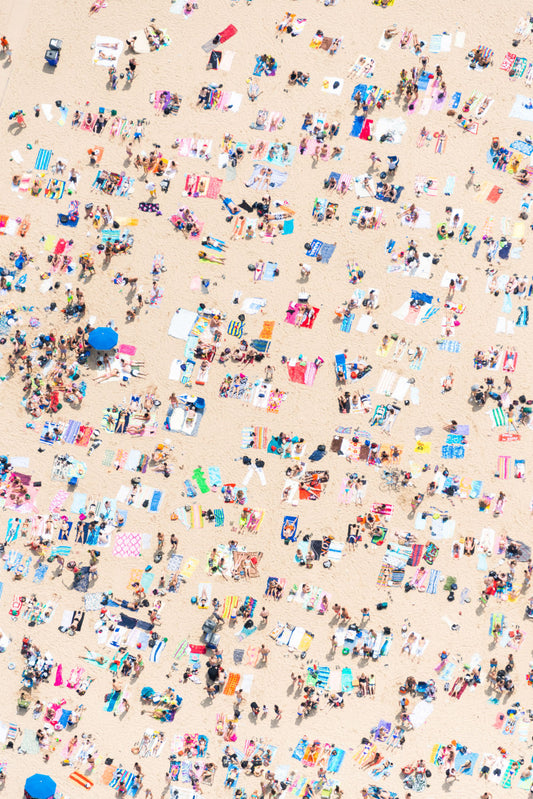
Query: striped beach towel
point(230, 604)
point(498, 417)
point(384, 575)
point(157, 650)
point(504, 462)
point(449, 345)
point(72, 430)
point(236, 328)
point(126, 777)
point(42, 162)
point(197, 520)
point(434, 577)
point(219, 517)
point(416, 555)
point(261, 437)
point(435, 43)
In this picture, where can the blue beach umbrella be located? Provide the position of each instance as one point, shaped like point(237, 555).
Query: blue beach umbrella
point(103, 338)
point(39, 786)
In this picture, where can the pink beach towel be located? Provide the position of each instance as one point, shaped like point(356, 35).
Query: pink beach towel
point(213, 190)
point(59, 675)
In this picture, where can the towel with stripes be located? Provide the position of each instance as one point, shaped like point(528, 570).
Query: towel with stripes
point(416, 555)
point(71, 431)
point(448, 345)
point(434, 577)
point(504, 466)
point(42, 162)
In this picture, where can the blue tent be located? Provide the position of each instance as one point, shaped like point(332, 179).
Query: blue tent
point(103, 338)
point(39, 786)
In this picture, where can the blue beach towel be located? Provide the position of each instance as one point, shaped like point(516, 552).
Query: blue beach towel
point(40, 571)
point(315, 248)
point(523, 316)
point(12, 530)
point(190, 489)
point(300, 749)
point(434, 577)
point(156, 501)
point(215, 478)
point(42, 162)
point(326, 252)
point(346, 324)
point(335, 760)
point(423, 81)
point(357, 126)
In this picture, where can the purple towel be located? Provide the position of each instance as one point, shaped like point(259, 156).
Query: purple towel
point(327, 251)
point(73, 428)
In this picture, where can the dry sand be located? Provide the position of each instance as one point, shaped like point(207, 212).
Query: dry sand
point(309, 412)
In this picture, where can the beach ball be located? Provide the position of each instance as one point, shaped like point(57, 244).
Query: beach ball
point(193, 600)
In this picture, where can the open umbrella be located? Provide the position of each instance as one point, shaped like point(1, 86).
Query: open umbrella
point(39, 786)
point(103, 338)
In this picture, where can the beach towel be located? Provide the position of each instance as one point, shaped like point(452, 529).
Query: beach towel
point(107, 50)
point(42, 162)
point(231, 684)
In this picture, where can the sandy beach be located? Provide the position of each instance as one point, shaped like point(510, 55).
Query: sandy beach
point(264, 389)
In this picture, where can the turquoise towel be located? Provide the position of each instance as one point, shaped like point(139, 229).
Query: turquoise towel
point(112, 701)
point(450, 183)
point(346, 680)
point(346, 324)
point(147, 580)
point(215, 478)
point(335, 760)
point(476, 489)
